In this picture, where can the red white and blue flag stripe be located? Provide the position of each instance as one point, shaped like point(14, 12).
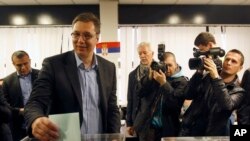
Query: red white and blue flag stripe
point(108, 47)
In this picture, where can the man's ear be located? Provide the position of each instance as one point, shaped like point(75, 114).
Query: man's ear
point(97, 37)
point(241, 67)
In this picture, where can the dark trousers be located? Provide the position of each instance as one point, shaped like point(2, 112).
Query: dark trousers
point(150, 134)
point(19, 134)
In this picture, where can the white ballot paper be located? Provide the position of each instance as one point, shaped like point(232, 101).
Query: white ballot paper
point(69, 126)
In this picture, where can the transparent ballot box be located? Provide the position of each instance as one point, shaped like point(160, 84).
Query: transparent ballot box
point(212, 138)
point(103, 137)
point(93, 137)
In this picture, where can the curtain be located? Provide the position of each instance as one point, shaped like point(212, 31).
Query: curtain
point(180, 41)
point(38, 42)
point(45, 41)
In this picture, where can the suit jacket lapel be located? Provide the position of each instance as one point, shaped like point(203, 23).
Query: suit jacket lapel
point(72, 73)
point(34, 75)
point(17, 88)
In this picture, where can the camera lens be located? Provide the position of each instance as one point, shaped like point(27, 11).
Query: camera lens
point(195, 63)
point(154, 66)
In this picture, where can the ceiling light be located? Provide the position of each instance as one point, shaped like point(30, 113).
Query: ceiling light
point(174, 19)
point(18, 20)
point(199, 19)
point(45, 19)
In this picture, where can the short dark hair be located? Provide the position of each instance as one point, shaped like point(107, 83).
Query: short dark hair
point(19, 54)
point(168, 54)
point(240, 53)
point(88, 17)
point(204, 38)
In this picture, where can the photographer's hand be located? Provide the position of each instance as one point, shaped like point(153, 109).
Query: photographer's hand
point(211, 67)
point(160, 77)
point(150, 74)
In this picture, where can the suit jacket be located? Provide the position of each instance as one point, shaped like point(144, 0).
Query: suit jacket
point(132, 97)
point(5, 112)
point(13, 94)
point(57, 90)
point(243, 113)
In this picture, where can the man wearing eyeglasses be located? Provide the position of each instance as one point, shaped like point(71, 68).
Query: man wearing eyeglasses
point(75, 81)
point(17, 88)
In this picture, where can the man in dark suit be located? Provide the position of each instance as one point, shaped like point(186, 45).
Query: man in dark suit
point(16, 88)
point(75, 81)
point(146, 57)
point(5, 112)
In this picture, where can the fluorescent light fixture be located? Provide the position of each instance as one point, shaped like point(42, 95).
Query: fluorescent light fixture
point(18, 20)
point(45, 19)
point(174, 19)
point(199, 19)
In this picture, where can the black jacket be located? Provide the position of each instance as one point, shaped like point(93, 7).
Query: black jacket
point(212, 104)
point(172, 96)
point(132, 96)
point(57, 90)
point(243, 113)
point(13, 94)
point(5, 112)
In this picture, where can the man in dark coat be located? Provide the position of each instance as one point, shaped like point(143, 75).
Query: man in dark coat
point(214, 91)
point(161, 98)
point(75, 81)
point(5, 112)
point(146, 56)
point(243, 113)
point(16, 88)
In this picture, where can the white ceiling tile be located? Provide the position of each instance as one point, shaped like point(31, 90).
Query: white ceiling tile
point(227, 2)
point(178, 2)
point(54, 2)
point(194, 2)
point(130, 1)
point(2, 3)
point(86, 1)
point(19, 2)
point(159, 1)
point(247, 2)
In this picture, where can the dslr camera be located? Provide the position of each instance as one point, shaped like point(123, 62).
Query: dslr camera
point(159, 65)
point(197, 63)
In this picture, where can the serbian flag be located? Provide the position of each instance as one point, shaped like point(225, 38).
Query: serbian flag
point(108, 47)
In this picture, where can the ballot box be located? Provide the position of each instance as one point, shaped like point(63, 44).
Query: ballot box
point(103, 137)
point(210, 138)
point(93, 137)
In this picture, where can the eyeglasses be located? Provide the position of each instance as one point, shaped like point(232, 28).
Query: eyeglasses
point(85, 36)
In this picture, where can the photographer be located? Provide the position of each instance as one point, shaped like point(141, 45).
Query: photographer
point(243, 113)
point(161, 98)
point(214, 94)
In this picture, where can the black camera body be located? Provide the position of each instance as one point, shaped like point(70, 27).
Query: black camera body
point(157, 66)
point(197, 63)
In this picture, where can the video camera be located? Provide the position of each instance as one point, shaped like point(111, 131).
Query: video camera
point(197, 63)
point(159, 65)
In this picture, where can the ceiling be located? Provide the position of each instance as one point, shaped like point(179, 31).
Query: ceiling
point(170, 2)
